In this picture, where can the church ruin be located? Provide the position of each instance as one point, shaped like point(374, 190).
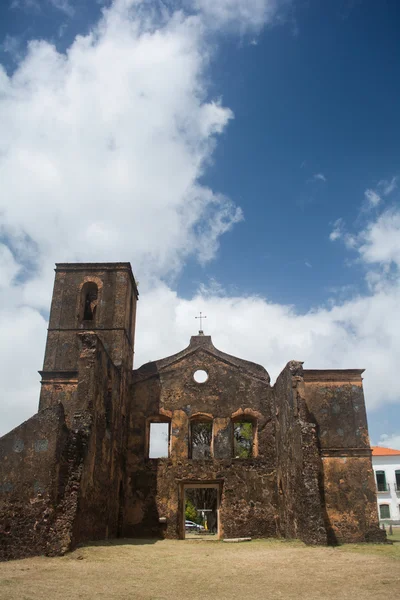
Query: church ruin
point(291, 460)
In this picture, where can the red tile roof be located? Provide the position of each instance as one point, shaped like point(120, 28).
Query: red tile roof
point(379, 451)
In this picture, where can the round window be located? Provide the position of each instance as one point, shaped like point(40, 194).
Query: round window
point(200, 376)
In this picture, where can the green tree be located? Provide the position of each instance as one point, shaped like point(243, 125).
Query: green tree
point(190, 511)
point(243, 439)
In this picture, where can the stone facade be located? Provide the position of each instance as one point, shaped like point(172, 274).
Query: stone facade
point(80, 469)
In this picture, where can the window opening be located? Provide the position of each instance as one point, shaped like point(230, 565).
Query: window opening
point(243, 439)
point(381, 481)
point(90, 298)
point(397, 475)
point(159, 440)
point(200, 376)
point(384, 511)
point(201, 437)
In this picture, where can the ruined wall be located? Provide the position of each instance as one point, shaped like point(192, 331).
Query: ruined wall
point(102, 409)
point(80, 469)
point(298, 461)
point(60, 388)
point(233, 388)
point(59, 481)
point(33, 475)
point(350, 499)
point(61, 471)
point(335, 403)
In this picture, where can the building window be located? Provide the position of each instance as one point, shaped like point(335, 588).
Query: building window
point(200, 439)
point(397, 475)
point(89, 301)
point(243, 436)
point(381, 481)
point(384, 511)
point(159, 439)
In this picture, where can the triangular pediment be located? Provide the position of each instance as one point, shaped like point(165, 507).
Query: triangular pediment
point(201, 344)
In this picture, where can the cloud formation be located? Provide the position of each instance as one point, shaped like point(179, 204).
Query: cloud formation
point(388, 186)
point(389, 441)
point(244, 16)
point(319, 177)
point(101, 155)
point(373, 199)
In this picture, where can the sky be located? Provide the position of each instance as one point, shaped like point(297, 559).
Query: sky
point(243, 155)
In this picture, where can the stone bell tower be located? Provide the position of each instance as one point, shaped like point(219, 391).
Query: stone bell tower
point(87, 297)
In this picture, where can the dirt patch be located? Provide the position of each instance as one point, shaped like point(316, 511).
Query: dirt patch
point(169, 569)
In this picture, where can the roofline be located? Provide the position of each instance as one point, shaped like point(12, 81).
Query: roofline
point(204, 343)
point(389, 450)
point(332, 374)
point(100, 266)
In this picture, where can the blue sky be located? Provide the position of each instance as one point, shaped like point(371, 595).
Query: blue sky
point(257, 182)
point(323, 100)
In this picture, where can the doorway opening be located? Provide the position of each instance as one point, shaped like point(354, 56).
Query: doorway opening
point(200, 515)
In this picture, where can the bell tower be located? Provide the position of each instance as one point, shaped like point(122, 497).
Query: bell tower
point(95, 297)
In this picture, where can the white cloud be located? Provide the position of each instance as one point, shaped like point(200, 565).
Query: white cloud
point(372, 198)
point(319, 177)
point(101, 151)
point(12, 45)
point(337, 231)
point(65, 6)
point(388, 186)
point(390, 441)
point(242, 15)
point(380, 241)
point(101, 154)
point(131, 104)
point(25, 4)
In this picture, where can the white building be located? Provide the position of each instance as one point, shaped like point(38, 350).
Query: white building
point(386, 464)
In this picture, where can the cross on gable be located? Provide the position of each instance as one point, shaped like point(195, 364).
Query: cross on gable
point(201, 317)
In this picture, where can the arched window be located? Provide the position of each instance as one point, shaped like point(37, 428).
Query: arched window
point(89, 300)
point(200, 437)
point(243, 437)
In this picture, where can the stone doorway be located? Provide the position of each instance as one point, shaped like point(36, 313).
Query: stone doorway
point(200, 514)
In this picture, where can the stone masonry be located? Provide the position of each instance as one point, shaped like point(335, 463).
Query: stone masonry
point(80, 470)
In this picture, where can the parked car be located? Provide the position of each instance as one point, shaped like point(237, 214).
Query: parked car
point(192, 526)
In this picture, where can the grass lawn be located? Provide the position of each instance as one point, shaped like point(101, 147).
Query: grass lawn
point(396, 534)
point(193, 569)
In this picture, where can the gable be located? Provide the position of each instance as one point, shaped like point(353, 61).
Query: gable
point(201, 354)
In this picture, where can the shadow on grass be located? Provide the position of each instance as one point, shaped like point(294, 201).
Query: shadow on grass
point(120, 542)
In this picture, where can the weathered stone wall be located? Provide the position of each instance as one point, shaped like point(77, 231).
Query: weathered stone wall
point(350, 500)
point(298, 461)
point(335, 403)
point(59, 484)
point(102, 409)
point(60, 388)
point(32, 459)
point(235, 389)
point(114, 324)
point(80, 469)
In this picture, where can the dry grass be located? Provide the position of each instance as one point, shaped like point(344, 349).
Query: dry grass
point(181, 570)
